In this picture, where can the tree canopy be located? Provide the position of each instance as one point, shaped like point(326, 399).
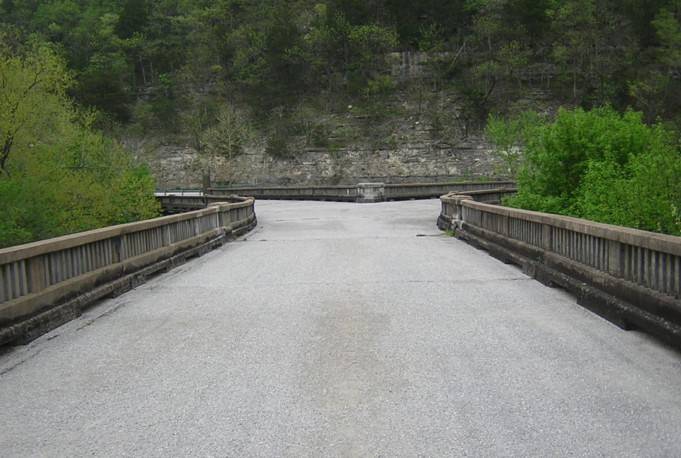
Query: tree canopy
point(271, 53)
point(57, 174)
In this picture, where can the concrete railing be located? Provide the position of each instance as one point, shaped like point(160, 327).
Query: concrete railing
point(47, 283)
point(172, 204)
point(629, 276)
point(338, 193)
point(362, 192)
point(433, 190)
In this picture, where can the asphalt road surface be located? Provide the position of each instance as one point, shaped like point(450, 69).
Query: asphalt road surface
point(340, 329)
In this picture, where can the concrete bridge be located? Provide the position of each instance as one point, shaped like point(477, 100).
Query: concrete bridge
point(336, 329)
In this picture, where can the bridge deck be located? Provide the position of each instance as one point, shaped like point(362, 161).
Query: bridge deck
point(341, 329)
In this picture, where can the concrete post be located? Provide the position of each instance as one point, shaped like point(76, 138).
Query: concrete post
point(122, 246)
point(614, 258)
point(166, 235)
point(195, 221)
point(36, 274)
point(206, 182)
point(370, 192)
point(457, 217)
point(547, 237)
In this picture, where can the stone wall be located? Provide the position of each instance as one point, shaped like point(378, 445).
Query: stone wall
point(180, 166)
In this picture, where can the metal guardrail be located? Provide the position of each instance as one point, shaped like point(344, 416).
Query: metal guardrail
point(629, 276)
point(47, 282)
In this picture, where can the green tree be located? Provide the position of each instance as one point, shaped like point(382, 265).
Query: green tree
point(604, 166)
point(657, 91)
point(228, 136)
point(510, 137)
point(59, 174)
point(32, 88)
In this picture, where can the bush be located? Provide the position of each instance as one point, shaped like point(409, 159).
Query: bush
point(509, 138)
point(229, 135)
point(603, 166)
point(278, 144)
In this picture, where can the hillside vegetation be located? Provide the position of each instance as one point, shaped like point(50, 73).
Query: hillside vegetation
point(217, 70)
point(225, 74)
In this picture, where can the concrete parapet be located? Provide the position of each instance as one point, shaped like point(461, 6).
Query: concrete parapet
point(362, 192)
point(629, 276)
point(370, 192)
point(43, 284)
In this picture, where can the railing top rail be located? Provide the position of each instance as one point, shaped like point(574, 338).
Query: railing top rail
point(178, 193)
point(478, 192)
point(246, 188)
point(345, 186)
point(636, 237)
point(240, 202)
point(29, 250)
point(446, 183)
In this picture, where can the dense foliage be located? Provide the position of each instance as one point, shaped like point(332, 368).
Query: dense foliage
point(221, 73)
point(156, 63)
point(603, 166)
point(57, 174)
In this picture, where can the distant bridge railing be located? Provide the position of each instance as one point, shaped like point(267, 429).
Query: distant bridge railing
point(362, 192)
point(629, 276)
point(47, 283)
point(337, 193)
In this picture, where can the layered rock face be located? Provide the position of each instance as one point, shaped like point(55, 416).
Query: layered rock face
point(180, 166)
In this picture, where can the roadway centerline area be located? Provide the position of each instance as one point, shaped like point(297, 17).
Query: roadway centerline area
point(341, 329)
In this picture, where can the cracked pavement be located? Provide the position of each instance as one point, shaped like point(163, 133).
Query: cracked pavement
point(341, 329)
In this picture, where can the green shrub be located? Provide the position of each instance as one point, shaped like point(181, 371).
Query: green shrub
point(509, 137)
point(603, 166)
point(278, 144)
point(230, 133)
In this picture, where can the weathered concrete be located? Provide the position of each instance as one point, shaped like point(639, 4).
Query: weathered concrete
point(46, 283)
point(628, 276)
point(361, 192)
point(338, 329)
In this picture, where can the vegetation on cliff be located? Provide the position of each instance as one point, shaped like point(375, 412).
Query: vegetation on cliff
point(169, 65)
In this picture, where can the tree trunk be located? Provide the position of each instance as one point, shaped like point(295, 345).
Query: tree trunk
point(4, 156)
point(144, 75)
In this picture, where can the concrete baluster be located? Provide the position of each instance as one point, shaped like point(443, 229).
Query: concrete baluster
point(615, 259)
point(36, 274)
point(547, 237)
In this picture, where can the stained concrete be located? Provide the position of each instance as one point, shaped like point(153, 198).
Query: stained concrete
point(338, 329)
